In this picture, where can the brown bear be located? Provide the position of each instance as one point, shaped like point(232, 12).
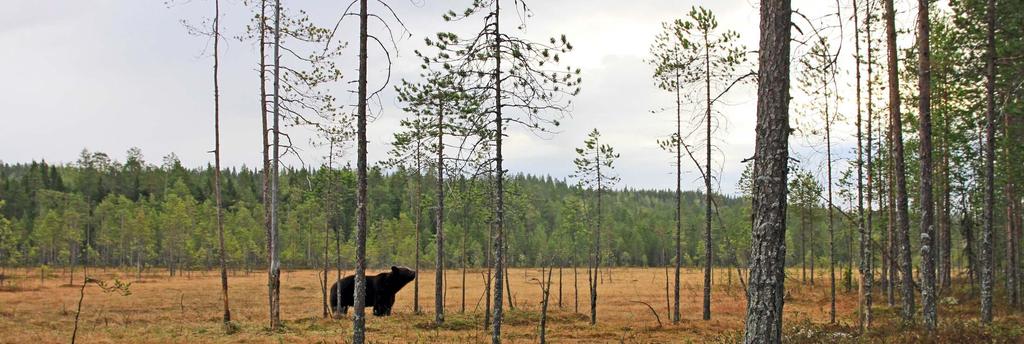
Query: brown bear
point(380, 290)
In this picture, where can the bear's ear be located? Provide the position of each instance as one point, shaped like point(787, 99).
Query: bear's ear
point(394, 269)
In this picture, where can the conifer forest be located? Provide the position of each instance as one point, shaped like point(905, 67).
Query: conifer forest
point(519, 171)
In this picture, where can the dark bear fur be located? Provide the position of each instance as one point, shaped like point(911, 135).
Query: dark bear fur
point(380, 290)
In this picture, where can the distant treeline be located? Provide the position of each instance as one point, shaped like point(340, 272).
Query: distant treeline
point(102, 212)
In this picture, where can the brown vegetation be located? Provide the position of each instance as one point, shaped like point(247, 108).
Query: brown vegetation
point(188, 309)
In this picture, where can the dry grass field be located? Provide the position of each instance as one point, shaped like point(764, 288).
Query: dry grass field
point(182, 309)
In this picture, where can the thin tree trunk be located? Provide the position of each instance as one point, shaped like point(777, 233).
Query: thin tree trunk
point(925, 157)
point(890, 221)
point(416, 203)
point(216, 159)
point(359, 301)
point(771, 165)
point(708, 251)
point(831, 220)
point(274, 261)
point(597, 237)
point(546, 289)
point(1009, 187)
point(487, 263)
point(864, 239)
point(439, 271)
point(499, 182)
point(328, 211)
point(867, 258)
point(266, 130)
point(902, 217)
point(989, 172)
point(679, 202)
point(465, 233)
point(575, 280)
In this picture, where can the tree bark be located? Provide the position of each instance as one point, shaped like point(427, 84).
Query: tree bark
point(359, 301)
point(900, 172)
point(771, 153)
point(708, 251)
point(867, 258)
point(499, 182)
point(926, 201)
point(679, 202)
point(416, 204)
point(862, 230)
point(216, 159)
point(439, 270)
point(597, 238)
point(987, 263)
point(274, 275)
point(831, 222)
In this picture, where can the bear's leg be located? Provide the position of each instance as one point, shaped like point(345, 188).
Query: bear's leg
point(389, 302)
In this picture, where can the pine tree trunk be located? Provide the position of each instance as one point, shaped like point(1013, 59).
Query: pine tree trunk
point(439, 270)
point(679, 199)
point(987, 263)
point(266, 129)
point(1012, 266)
point(597, 238)
point(416, 203)
point(831, 222)
point(708, 251)
point(926, 201)
point(867, 257)
point(945, 243)
point(900, 169)
point(328, 212)
point(274, 275)
point(771, 165)
point(862, 230)
point(359, 297)
point(465, 233)
point(499, 183)
point(216, 158)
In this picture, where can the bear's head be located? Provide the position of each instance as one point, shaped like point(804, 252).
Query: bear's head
point(400, 276)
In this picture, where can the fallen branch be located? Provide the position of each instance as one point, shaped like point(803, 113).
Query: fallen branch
point(656, 316)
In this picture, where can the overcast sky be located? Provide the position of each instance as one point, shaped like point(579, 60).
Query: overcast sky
point(107, 75)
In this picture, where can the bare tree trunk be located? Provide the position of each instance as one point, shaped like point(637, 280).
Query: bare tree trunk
point(867, 257)
point(546, 293)
point(359, 301)
point(266, 129)
point(328, 211)
point(216, 158)
point(560, 285)
point(487, 263)
point(831, 222)
point(864, 239)
point(771, 165)
point(989, 173)
point(499, 183)
point(925, 153)
point(890, 221)
point(597, 238)
point(1012, 265)
point(439, 270)
point(679, 202)
point(274, 275)
point(708, 251)
point(465, 233)
point(416, 203)
point(945, 243)
point(575, 280)
point(900, 172)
